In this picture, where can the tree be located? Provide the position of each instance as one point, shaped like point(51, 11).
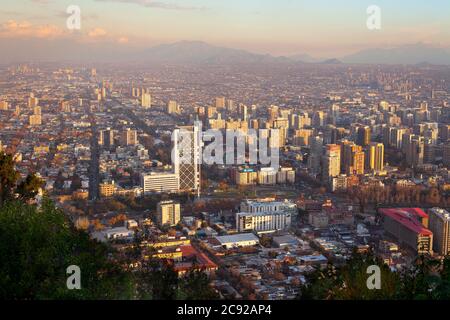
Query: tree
point(195, 286)
point(10, 187)
point(29, 188)
point(157, 280)
point(8, 177)
point(37, 244)
point(349, 282)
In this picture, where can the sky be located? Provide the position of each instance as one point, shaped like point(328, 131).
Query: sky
point(321, 28)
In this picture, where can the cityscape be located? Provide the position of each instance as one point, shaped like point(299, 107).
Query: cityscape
point(194, 171)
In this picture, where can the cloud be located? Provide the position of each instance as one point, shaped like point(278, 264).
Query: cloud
point(122, 40)
point(156, 4)
point(97, 32)
point(86, 17)
point(15, 29)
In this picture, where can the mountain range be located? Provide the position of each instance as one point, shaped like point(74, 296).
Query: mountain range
point(196, 52)
point(200, 52)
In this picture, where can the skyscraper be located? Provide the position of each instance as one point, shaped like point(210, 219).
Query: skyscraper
point(243, 112)
point(230, 105)
point(168, 213)
point(186, 157)
point(220, 103)
point(363, 138)
point(352, 158)
point(129, 137)
point(318, 119)
point(414, 148)
point(106, 138)
point(36, 118)
point(315, 154)
point(440, 226)
point(375, 157)
point(173, 107)
point(146, 100)
point(331, 162)
point(32, 101)
point(446, 157)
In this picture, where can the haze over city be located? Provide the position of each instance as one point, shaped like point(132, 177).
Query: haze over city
point(232, 150)
point(308, 30)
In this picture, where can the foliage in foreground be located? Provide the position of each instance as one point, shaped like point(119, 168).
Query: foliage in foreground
point(427, 278)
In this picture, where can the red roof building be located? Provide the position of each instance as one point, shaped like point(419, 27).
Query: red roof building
point(409, 226)
point(194, 259)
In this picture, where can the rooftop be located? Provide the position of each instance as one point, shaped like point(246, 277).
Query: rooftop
point(409, 217)
point(237, 238)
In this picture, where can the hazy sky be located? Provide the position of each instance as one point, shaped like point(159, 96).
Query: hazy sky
point(323, 28)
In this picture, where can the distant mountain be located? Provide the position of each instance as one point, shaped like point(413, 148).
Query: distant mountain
point(303, 57)
point(196, 52)
point(331, 61)
point(408, 54)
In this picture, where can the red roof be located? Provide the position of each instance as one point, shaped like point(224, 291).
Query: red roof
point(408, 217)
point(202, 260)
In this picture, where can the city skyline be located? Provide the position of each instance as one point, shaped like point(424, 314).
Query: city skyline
point(224, 150)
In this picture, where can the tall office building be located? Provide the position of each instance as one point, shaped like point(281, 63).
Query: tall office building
point(32, 101)
point(283, 125)
point(363, 138)
point(334, 113)
point(173, 107)
point(301, 120)
point(4, 105)
point(302, 136)
point(37, 110)
point(429, 151)
point(446, 154)
point(352, 158)
point(146, 100)
point(315, 154)
point(414, 147)
point(440, 226)
point(186, 157)
point(129, 137)
point(230, 105)
point(168, 213)
point(397, 138)
point(211, 112)
point(243, 112)
point(444, 132)
point(220, 103)
point(375, 157)
point(318, 119)
point(331, 162)
point(36, 118)
point(106, 138)
point(273, 112)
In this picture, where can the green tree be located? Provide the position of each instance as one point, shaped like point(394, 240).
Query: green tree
point(8, 177)
point(10, 186)
point(195, 286)
point(349, 281)
point(37, 244)
point(29, 188)
point(157, 280)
